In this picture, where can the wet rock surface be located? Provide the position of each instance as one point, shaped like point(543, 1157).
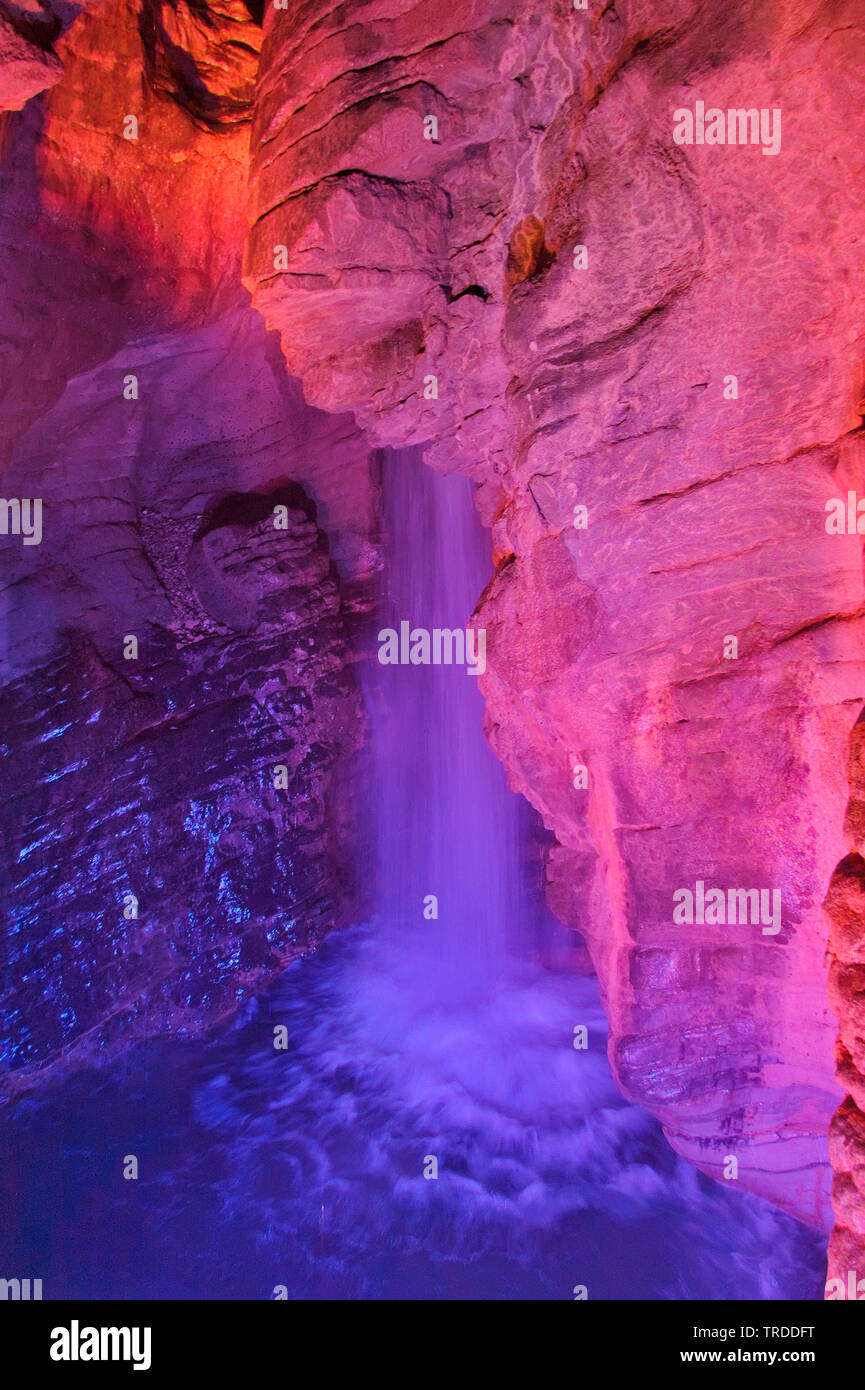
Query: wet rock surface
point(582, 313)
point(181, 718)
point(475, 230)
point(175, 826)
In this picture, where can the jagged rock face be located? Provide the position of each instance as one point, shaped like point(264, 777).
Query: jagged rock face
point(603, 381)
point(204, 56)
point(178, 822)
point(845, 907)
point(174, 836)
point(434, 287)
point(108, 239)
point(28, 63)
point(205, 770)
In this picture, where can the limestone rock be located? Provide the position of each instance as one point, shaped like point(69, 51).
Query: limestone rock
point(579, 312)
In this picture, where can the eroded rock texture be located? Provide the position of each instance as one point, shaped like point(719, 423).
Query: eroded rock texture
point(177, 830)
point(845, 906)
point(177, 823)
point(28, 63)
point(423, 178)
point(396, 266)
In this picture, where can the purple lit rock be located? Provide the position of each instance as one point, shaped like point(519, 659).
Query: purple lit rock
point(157, 776)
point(208, 776)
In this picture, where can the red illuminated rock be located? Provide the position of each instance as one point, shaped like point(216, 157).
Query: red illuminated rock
point(28, 63)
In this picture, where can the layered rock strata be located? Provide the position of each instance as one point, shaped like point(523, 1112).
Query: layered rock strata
point(476, 228)
point(181, 716)
point(472, 229)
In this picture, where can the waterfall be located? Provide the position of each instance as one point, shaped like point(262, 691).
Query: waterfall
point(448, 827)
point(408, 1039)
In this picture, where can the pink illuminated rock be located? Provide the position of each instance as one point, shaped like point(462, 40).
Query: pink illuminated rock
point(845, 908)
point(472, 227)
point(578, 311)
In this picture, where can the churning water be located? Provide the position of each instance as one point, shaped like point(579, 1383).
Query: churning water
point(410, 1039)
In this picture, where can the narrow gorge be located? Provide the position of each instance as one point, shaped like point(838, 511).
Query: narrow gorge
point(322, 319)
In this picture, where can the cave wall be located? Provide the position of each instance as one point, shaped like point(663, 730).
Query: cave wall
point(179, 815)
point(601, 379)
point(471, 229)
point(845, 908)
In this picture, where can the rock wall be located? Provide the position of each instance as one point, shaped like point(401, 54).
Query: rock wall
point(474, 227)
point(471, 228)
point(845, 906)
point(182, 725)
point(28, 62)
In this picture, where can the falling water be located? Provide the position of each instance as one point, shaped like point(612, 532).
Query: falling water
point(409, 1039)
point(447, 825)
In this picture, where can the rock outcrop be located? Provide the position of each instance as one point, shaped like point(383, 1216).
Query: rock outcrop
point(181, 718)
point(845, 906)
point(175, 823)
point(475, 228)
point(28, 62)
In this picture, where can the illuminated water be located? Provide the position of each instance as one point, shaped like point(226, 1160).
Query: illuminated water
point(410, 1039)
